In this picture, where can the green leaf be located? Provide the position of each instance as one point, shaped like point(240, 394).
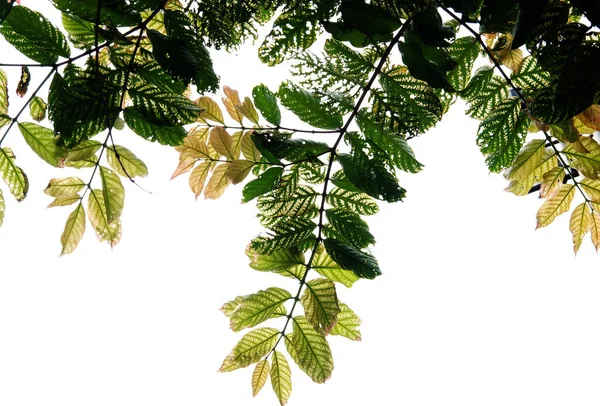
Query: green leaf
point(501, 134)
point(357, 202)
point(152, 130)
point(281, 377)
point(15, 178)
point(43, 142)
point(294, 30)
point(484, 92)
point(286, 262)
point(4, 117)
point(64, 187)
point(5, 8)
point(83, 150)
point(301, 203)
point(347, 324)
point(259, 307)
point(527, 160)
point(34, 36)
point(37, 108)
point(324, 265)
point(64, 201)
point(310, 350)
point(363, 265)
point(287, 233)
point(82, 33)
point(260, 375)
point(74, 229)
point(348, 227)
point(368, 18)
point(2, 207)
point(293, 150)
point(422, 68)
point(463, 51)
point(113, 194)
point(580, 224)
point(531, 77)
point(308, 107)
point(125, 163)
point(320, 304)
point(371, 176)
point(105, 230)
point(162, 106)
point(266, 102)
point(116, 13)
point(264, 183)
point(229, 307)
point(250, 349)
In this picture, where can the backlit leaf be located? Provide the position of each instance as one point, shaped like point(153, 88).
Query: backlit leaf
point(357, 202)
point(580, 224)
point(152, 129)
point(266, 102)
point(556, 205)
point(64, 201)
point(248, 148)
point(15, 178)
point(64, 187)
point(364, 265)
point(37, 108)
point(595, 229)
point(2, 207)
point(281, 377)
point(348, 324)
point(238, 170)
point(125, 162)
point(289, 232)
point(250, 349)
point(324, 265)
point(43, 142)
point(105, 230)
point(222, 142)
point(217, 183)
point(74, 229)
point(186, 164)
point(210, 110)
point(4, 118)
point(83, 150)
point(194, 147)
point(551, 182)
point(320, 304)
point(229, 307)
point(591, 117)
point(258, 307)
point(310, 350)
point(113, 194)
point(248, 110)
point(527, 160)
point(308, 107)
point(198, 177)
point(260, 376)
point(264, 183)
point(286, 262)
point(348, 227)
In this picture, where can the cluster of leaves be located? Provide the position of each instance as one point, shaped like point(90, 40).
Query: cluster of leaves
point(388, 72)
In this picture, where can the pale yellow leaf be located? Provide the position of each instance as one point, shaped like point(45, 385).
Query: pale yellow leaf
point(64, 201)
point(248, 110)
point(105, 231)
point(591, 188)
point(210, 110)
point(580, 223)
point(591, 117)
point(260, 375)
point(233, 111)
point(218, 182)
point(249, 150)
point(64, 187)
point(551, 182)
point(281, 377)
point(556, 205)
point(236, 140)
point(2, 207)
point(186, 164)
point(513, 59)
point(222, 142)
point(595, 228)
point(238, 170)
point(198, 177)
point(193, 147)
point(74, 229)
point(526, 161)
point(231, 94)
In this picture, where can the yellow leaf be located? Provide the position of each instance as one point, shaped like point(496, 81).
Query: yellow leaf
point(199, 132)
point(231, 102)
point(512, 59)
point(591, 117)
point(281, 377)
point(527, 160)
point(581, 221)
point(260, 375)
point(238, 170)
point(210, 110)
point(591, 188)
point(64, 201)
point(551, 182)
point(185, 165)
point(231, 95)
point(248, 110)
point(198, 177)
point(249, 150)
point(193, 147)
point(218, 182)
point(582, 128)
point(595, 229)
point(105, 230)
point(556, 205)
point(74, 229)
point(222, 142)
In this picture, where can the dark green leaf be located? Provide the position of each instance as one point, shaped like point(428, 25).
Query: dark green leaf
point(348, 227)
point(264, 183)
point(266, 102)
point(308, 107)
point(363, 265)
point(116, 13)
point(153, 130)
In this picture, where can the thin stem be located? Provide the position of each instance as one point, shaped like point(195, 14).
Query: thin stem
point(332, 155)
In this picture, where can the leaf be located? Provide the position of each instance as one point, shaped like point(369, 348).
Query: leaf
point(556, 205)
point(531, 77)
point(259, 307)
point(37, 108)
point(308, 107)
point(248, 148)
point(484, 92)
point(162, 106)
point(238, 170)
point(463, 51)
point(591, 117)
point(74, 229)
point(527, 160)
point(198, 177)
point(422, 68)
point(580, 224)
point(357, 202)
point(501, 134)
point(264, 183)
point(82, 33)
point(185, 165)
point(64, 187)
point(310, 350)
point(229, 307)
point(347, 324)
point(281, 377)
point(194, 147)
point(248, 110)
point(551, 182)
point(595, 229)
point(591, 187)
point(222, 142)
point(588, 162)
point(4, 117)
point(23, 85)
point(43, 142)
point(218, 182)
point(363, 265)
point(290, 232)
point(266, 102)
point(324, 265)
point(286, 262)
point(293, 150)
point(105, 230)
point(151, 129)
point(64, 201)
point(348, 227)
point(259, 376)
point(34, 36)
point(15, 178)
point(125, 162)
point(320, 304)
point(5, 8)
point(300, 203)
point(113, 193)
point(210, 110)
point(83, 150)
point(2, 207)
point(250, 349)
point(115, 13)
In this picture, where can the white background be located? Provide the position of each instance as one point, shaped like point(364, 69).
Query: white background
point(473, 308)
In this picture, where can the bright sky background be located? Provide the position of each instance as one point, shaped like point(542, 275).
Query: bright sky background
point(474, 307)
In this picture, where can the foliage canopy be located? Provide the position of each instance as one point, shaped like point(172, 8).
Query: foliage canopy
point(388, 72)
